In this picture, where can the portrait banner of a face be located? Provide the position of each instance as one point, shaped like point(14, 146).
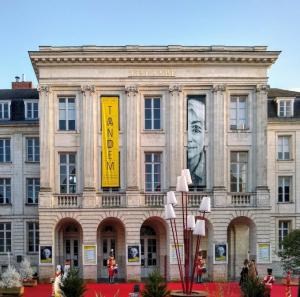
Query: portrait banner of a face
point(196, 139)
point(220, 253)
point(133, 254)
point(46, 254)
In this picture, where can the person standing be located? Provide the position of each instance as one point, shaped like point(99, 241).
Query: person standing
point(200, 268)
point(268, 282)
point(244, 272)
point(252, 270)
point(111, 264)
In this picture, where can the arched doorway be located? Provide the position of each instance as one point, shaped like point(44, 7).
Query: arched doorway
point(153, 246)
point(241, 238)
point(206, 248)
point(68, 241)
point(111, 237)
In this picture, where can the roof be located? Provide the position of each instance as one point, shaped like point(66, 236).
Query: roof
point(6, 94)
point(274, 92)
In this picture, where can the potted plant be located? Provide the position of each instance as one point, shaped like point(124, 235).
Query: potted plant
point(26, 274)
point(10, 283)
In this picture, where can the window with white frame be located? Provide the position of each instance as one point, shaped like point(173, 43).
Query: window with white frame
point(5, 237)
point(5, 150)
point(5, 190)
point(33, 149)
point(32, 190)
point(285, 107)
point(31, 109)
point(153, 172)
point(4, 110)
point(284, 188)
point(284, 228)
point(238, 171)
point(152, 113)
point(67, 173)
point(33, 237)
point(238, 112)
point(283, 147)
point(67, 114)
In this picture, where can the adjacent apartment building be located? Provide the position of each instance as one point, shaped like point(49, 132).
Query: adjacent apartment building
point(116, 127)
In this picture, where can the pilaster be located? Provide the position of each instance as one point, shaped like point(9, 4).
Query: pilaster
point(176, 134)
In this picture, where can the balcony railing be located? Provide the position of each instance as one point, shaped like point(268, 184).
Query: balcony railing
point(67, 201)
point(242, 199)
point(154, 200)
point(113, 200)
point(194, 199)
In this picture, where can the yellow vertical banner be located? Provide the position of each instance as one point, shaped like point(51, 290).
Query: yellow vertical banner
point(110, 141)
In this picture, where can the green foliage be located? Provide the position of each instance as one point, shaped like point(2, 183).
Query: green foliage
point(73, 285)
point(253, 288)
point(290, 255)
point(155, 286)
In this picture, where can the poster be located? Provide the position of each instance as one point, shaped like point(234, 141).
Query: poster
point(89, 255)
point(110, 141)
point(196, 139)
point(173, 257)
point(133, 254)
point(220, 253)
point(263, 253)
point(46, 256)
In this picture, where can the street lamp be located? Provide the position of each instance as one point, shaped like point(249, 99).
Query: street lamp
point(189, 227)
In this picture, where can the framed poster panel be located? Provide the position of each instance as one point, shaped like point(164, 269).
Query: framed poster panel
point(173, 257)
point(89, 254)
point(264, 252)
point(133, 254)
point(220, 253)
point(46, 255)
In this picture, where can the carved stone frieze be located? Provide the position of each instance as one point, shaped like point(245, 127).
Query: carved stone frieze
point(43, 89)
point(131, 90)
point(219, 88)
point(175, 89)
point(88, 89)
point(262, 88)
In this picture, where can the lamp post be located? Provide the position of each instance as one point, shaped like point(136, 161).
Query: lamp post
point(189, 227)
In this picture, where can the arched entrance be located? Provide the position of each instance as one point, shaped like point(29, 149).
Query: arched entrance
point(111, 236)
point(206, 248)
point(153, 246)
point(241, 238)
point(68, 243)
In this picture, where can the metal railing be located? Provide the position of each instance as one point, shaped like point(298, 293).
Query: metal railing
point(154, 200)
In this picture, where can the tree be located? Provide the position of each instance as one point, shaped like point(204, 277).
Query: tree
point(252, 287)
point(10, 278)
point(155, 286)
point(25, 270)
point(73, 285)
point(290, 254)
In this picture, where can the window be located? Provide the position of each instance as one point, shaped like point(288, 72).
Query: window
point(4, 110)
point(33, 237)
point(5, 190)
point(152, 114)
point(32, 110)
point(33, 149)
point(153, 172)
point(238, 112)
point(67, 114)
point(285, 108)
point(67, 173)
point(284, 148)
point(32, 190)
point(5, 150)
point(5, 237)
point(284, 188)
point(283, 230)
point(238, 171)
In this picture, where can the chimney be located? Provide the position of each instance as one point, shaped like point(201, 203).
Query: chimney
point(21, 84)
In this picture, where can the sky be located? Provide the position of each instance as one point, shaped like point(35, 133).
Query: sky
point(27, 24)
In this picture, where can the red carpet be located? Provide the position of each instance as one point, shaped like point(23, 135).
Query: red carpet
point(215, 290)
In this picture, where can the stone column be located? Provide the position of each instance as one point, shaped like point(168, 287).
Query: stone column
point(218, 145)
point(261, 121)
point(46, 145)
point(88, 131)
point(176, 135)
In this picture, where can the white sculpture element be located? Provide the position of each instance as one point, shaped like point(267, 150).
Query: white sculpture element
point(182, 185)
point(205, 205)
point(199, 228)
point(171, 198)
point(169, 212)
point(186, 173)
point(191, 222)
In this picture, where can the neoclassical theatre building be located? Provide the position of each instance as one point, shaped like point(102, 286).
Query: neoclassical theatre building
point(116, 127)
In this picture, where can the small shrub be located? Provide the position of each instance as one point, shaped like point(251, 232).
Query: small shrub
point(10, 278)
point(253, 288)
point(73, 285)
point(155, 286)
point(25, 270)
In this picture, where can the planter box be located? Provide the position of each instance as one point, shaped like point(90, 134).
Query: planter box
point(30, 283)
point(12, 291)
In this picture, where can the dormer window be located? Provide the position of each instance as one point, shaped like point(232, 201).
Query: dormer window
point(285, 107)
point(4, 110)
point(31, 110)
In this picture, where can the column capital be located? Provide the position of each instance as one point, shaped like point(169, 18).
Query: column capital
point(262, 88)
point(43, 89)
point(175, 89)
point(219, 88)
point(131, 90)
point(88, 89)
